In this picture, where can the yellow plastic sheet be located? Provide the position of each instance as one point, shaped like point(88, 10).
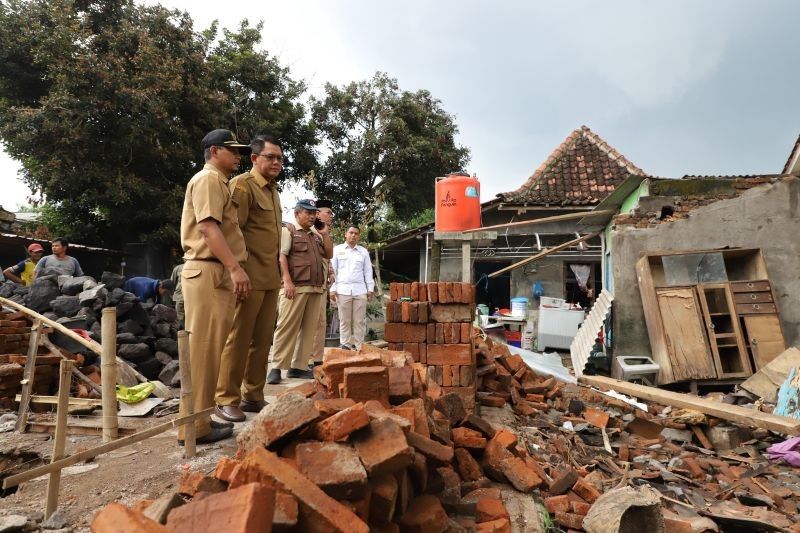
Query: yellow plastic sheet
point(134, 394)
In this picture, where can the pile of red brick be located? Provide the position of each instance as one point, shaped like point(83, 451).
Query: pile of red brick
point(364, 447)
point(15, 331)
point(433, 322)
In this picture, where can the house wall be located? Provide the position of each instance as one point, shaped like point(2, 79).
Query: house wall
point(549, 271)
point(766, 217)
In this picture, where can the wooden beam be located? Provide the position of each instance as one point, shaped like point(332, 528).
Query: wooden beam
point(544, 253)
point(33, 473)
point(93, 346)
point(74, 428)
point(45, 341)
point(53, 400)
point(53, 483)
point(108, 373)
point(545, 220)
point(733, 413)
point(184, 367)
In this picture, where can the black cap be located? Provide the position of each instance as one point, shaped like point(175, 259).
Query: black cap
point(222, 137)
point(325, 203)
point(311, 205)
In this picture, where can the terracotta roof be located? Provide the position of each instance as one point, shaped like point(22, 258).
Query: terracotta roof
point(583, 170)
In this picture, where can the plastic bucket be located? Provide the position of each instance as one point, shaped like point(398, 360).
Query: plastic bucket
point(519, 307)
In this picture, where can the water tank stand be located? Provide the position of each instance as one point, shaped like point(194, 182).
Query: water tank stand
point(467, 240)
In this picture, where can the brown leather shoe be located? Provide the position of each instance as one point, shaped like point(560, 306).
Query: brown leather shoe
point(252, 406)
point(230, 412)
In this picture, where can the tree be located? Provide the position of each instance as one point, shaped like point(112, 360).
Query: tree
point(385, 148)
point(105, 102)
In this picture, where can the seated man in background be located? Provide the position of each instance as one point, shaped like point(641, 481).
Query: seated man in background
point(22, 272)
point(148, 288)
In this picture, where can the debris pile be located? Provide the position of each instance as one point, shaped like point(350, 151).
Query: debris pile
point(146, 332)
point(364, 447)
point(710, 475)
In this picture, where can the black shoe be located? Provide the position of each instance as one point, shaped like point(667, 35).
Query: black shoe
point(274, 376)
point(312, 364)
point(220, 425)
point(347, 347)
point(252, 406)
point(297, 373)
point(215, 435)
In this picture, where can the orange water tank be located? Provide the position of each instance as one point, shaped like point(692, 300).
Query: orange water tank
point(458, 203)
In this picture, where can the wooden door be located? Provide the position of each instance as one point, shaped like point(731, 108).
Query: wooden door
point(724, 331)
point(765, 338)
point(684, 333)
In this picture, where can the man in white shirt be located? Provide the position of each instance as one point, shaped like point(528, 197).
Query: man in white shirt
point(352, 286)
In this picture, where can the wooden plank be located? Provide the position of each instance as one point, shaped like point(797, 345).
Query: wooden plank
point(73, 428)
point(53, 400)
point(733, 413)
point(64, 382)
point(765, 337)
point(13, 481)
point(544, 253)
point(685, 334)
point(28, 376)
point(652, 317)
point(545, 220)
point(766, 382)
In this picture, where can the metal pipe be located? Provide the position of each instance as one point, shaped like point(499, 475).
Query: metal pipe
point(427, 234)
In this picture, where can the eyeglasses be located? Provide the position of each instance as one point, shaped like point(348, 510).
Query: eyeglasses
point(272, 158)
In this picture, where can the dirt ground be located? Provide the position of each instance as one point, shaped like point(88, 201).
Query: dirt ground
point(148, 469)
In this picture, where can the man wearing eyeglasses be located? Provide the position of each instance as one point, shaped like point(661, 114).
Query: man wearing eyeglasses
point(212, 279)
point(243, 369)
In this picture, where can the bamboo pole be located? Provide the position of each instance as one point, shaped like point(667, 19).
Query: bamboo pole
point(184, 365)
point(28, 377)
point(545, 220)
point(33, 473)
point(108, 373)
point(64, 381)
point(53, 324)
point(53, 400)
point(544, 253)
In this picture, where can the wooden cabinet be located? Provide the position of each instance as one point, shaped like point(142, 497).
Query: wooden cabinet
point(710, 314)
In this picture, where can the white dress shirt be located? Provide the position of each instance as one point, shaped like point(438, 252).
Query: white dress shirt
point(352, 269)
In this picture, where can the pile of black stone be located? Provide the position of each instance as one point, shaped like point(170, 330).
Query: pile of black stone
point(146, 331)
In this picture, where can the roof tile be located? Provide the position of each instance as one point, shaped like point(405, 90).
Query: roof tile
point(583, 170)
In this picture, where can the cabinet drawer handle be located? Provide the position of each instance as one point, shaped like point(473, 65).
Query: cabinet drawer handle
point(750, 285)
point(753, 297)
point(756, 306)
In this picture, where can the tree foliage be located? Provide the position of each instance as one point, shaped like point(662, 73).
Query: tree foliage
point(105, 102)
point(385, 148)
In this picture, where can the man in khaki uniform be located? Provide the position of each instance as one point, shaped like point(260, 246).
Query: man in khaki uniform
point(301, 259)
point(244, 359)
point(212, 278)
point(324, 215)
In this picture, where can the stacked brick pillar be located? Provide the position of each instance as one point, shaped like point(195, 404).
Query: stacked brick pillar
point(433, 322)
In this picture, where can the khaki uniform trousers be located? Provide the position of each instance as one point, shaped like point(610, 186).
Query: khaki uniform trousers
point(210, 302)
point(297, 324)
point(318, 348)
point(243, 368)
point(352, 318)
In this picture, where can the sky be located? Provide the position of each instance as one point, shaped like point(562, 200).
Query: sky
point(679, 87)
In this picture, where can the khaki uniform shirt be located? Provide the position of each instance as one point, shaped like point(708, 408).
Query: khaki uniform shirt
point(207, 196)
point(259, 206)
point(286, 248)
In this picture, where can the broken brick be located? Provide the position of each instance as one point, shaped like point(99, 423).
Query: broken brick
point(116, 518)
point(225, 468)
point(383, 447)
point(580, 508)
point(244, 509)
point(468, 467)
point(400, 384)
point(586, 490)
point(518, 474)
point(452, 406)
point(420, 417)
point(477, 423)
point(286, 511)
point(339, 426)
point(557, 504)
point(501, 525)
point(315, 506)
point(367, 383)
point(194, 482)
point(424, 514)
point(468, 438)
point(334, 467)
point(384, 498)
point(570, 520)
point(563, 482)
point(276, 421)
point(489, 509)
point(435, 452)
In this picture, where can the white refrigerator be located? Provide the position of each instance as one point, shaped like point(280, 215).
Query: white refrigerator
point(557, 327)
